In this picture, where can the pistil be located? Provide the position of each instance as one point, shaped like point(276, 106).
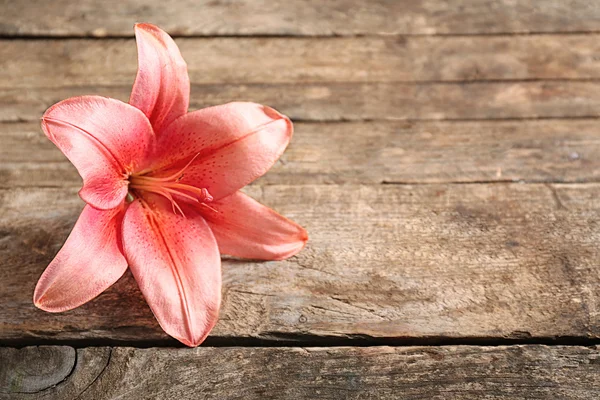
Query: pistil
point(170, 188)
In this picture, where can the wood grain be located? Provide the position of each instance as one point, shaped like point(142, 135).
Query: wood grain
point(540, 76)
point(59, 63)
point(50, 372)
point(451, 372)
point(372, 153)
point(312, 17)
point(33, 369)
point(359, 102)
point(395, 103)
point(386, 261)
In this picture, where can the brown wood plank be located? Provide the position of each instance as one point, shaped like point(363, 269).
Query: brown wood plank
point(451, 372)
point(328, 79)
point(356, 102)
point(58, 372)
point(384, 261)
point(372, 152)
point(59, 63)
point(312, 17)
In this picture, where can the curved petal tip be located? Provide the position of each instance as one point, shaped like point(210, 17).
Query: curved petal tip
point(245, 228)
point(162, 86)
point(175, 261)
point(90, 261)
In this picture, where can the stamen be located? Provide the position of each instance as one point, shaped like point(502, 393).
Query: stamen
point(209, 207)
point(187, 196)
point(173, 203)
point(203, 193)
point(169, 187)
point(173, 176)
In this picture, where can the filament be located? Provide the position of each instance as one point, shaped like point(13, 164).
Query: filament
point(170, 188)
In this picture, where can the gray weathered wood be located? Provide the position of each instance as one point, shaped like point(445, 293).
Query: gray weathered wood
point(33, 369)
point(451, 372)
point(356, 102)
point(386, 261)
point(372, 152)
point(50, 372)
point(282, 17)
point(52, 63)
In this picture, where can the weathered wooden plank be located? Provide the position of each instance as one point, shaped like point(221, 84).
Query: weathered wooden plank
point(33, 369)
point(355, 102)
point(386, 261)
point(47, 372)
point(313, 17)
point(374, 152)
point(451, 372)
point(303, 77)
point(52, 63)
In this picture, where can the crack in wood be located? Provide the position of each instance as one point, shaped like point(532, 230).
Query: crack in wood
point(110, 351)
point(555, 197)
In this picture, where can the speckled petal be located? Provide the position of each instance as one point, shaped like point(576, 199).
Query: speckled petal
point(176, 262)
point(104, 139)
point(245, 228)
point(233, 144)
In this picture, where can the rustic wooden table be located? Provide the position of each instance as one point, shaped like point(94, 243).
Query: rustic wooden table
point(445, 163)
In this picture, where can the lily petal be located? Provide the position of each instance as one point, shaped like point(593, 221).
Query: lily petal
point(90, 261)
point(162, 86)
point(231, 145)
point(104, 139)
point(176, 262)
point(245, 228)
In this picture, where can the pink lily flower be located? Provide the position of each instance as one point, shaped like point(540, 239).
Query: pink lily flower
point(162, 193)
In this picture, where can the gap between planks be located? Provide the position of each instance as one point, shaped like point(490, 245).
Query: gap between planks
point(383, 183)
point(33, 36)
point(343, 120)
point(299, 340)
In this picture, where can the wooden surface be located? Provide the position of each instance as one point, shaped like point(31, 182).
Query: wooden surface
point(450, 372)
point(359, 102)
point(312, 17)
point(59, 63)
point(384, 261)
point(445, 163)
point(561, 150)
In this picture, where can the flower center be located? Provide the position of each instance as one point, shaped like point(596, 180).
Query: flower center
point(169, 187)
